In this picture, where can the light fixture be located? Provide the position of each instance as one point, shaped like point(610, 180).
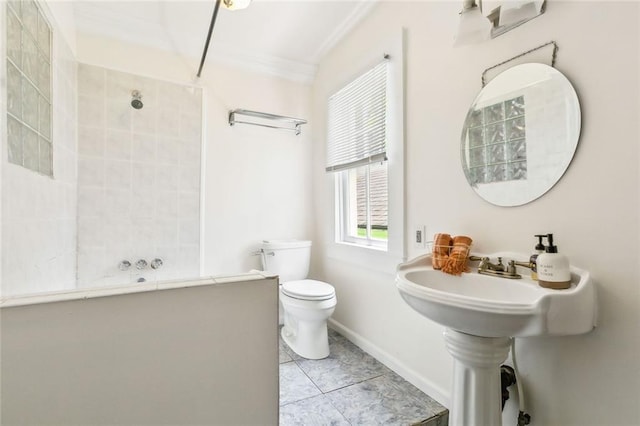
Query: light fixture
point(236, 4)
point(514, 13)
point(473, 27)
point(229, 4)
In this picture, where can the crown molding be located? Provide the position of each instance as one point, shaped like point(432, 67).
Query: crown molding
point(261, 63)
point(353, 19)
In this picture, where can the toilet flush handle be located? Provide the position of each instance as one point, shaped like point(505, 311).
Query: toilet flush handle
point(261, 252)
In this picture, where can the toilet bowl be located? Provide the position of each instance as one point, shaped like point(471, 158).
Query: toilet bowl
point(306, 304)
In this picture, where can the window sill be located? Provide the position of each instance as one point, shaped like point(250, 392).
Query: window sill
point(367, 257)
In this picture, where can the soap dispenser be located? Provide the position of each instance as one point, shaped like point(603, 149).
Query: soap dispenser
point(553, 268)
point(533, 260)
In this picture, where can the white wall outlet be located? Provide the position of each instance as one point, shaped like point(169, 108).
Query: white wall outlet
point(419, 237)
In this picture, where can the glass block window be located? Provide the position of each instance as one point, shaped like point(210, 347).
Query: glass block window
point(497, 142)
point(29, 87)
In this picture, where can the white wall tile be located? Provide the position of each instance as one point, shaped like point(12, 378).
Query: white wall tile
point(117, 202)
point(117, 144)
point(189, 205)
point(90, 232)
point(144, 148)
point(138, 153)
point(143, 175)
point(120, 85)
point(142, 202)
point(189, 178)
point(190, 127)
point(117, 174)
point(90, 201)
point(118, 114)
point(189, 231)
point(91, 111)
point(91, 141)
point(166, 206)
point(168, 150)
point(167, 178)
point(166, 234)
point(91, 80)
point(145, 120)
point(91, 171)
point(169, 122)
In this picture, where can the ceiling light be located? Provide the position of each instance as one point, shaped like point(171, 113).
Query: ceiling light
point(236, 4)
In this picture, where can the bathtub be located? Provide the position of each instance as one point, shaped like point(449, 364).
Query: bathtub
point(201, 351)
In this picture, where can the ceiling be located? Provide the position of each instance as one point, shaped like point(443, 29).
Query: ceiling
point(279, 37)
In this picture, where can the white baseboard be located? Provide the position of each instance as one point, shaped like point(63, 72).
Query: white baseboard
point(436, 392)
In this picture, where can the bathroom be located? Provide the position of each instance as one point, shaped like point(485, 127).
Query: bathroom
point(261, 183)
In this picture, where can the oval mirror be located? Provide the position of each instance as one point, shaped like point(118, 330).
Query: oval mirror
point(520, 134)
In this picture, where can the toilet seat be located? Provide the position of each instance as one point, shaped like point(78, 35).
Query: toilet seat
point(308, 290)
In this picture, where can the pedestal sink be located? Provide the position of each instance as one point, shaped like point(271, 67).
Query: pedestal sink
point(481, 314)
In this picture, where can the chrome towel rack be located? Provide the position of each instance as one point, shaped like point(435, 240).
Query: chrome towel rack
point(264, 119)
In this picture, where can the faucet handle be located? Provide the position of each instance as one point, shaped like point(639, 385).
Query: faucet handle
point(124, 265)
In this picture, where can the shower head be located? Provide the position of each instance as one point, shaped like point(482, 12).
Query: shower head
point(136, 102)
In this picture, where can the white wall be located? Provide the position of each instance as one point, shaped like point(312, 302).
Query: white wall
point(172, 356)
point(38, 212)
point(256, 181)
point(593, 211)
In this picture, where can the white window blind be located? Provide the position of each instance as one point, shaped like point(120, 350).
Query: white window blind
point(357, 121)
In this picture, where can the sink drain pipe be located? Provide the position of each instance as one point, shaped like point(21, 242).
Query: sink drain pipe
point(523, 417)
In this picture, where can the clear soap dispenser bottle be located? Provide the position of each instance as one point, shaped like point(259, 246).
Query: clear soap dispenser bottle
point(553, 268)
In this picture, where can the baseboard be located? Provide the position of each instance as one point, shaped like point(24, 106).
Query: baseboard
point(410, 375)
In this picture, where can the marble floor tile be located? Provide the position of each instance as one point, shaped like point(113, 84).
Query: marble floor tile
point(350, 388)
point(385, 400)
point(346, 364)
point(283, 352)
point(294, 384)
point(315, 411)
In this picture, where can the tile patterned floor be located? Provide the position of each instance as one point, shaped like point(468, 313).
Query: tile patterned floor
point(350, 387)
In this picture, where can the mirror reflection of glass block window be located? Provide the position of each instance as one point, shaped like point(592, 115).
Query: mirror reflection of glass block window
point(497, 148)
point(29, 109)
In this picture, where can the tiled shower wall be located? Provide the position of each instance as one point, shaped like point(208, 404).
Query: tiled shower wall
point(138, 177)
point(38, 211)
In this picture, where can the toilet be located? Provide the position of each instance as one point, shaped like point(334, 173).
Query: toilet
point(306, 304)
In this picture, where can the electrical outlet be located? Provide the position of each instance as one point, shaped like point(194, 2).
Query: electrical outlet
point(419, 237)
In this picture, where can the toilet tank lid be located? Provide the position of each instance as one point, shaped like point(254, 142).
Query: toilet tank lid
point(285, 244)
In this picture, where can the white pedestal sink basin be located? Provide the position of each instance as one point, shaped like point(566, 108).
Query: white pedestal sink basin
point(482, 313)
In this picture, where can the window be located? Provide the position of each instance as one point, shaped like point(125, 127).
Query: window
point(29, 87)
point(357, 152)
point(364, 204)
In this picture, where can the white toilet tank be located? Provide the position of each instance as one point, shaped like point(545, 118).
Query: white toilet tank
point(287, 258)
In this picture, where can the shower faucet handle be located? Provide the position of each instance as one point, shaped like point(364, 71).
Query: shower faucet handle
point(141, 264)
point(156, 263)
point(124, 265)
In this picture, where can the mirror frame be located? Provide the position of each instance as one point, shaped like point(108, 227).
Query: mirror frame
point(515, 144)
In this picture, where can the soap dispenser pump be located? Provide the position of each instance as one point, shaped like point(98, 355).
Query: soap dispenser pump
point(553, 268)
point(533, 260)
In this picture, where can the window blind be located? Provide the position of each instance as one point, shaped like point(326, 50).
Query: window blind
point(357, 121)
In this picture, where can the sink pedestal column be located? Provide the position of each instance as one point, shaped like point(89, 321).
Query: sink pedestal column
point(476, 395)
